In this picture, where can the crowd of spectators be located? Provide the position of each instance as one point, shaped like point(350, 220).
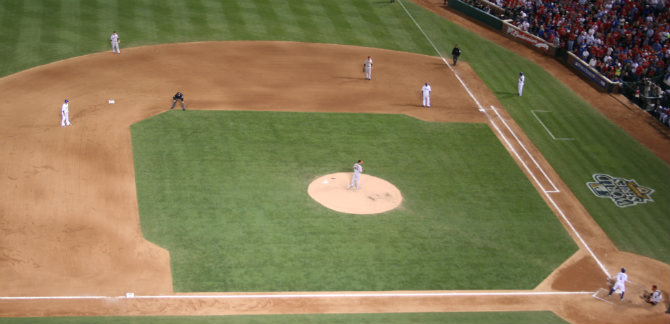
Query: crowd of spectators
point(626, 40)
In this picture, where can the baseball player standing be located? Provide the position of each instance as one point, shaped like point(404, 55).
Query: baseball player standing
point(114, 39)
point(455, 53)
point(367, 68)
point(178, 96)
point(65, 114)
point(620, 283)
point(522, 81)
point(425, 91)
point(356, 178)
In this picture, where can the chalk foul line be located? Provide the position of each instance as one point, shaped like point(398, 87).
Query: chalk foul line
point(311, 295)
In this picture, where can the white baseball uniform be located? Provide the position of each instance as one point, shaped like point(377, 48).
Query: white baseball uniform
point(425, 90)
point(620, 283)
point(367, 66)
point(65, 115)
point(522, 81)
point(115, 43)
point(356, 178)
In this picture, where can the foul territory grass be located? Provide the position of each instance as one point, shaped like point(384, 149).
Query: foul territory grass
point(225, 192)
point(400, 318)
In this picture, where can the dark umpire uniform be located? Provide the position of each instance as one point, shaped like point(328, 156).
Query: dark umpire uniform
point(455, 53)
point(178, 96)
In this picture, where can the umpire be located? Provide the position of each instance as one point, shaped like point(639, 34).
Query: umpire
point(178, 96)
point(455, 53)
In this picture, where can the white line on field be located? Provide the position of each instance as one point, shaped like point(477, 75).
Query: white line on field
point(547, 129)
point(546, 193)
point(312, 295)
point(553, 186)
point(595, 295)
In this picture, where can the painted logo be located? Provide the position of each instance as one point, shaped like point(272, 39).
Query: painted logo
point(623, 192)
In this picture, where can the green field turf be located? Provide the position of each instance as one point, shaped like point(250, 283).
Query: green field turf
point(225, 192)
point(399, 318)
point(34, 32)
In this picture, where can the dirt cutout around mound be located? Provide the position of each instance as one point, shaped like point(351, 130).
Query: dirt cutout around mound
point(375, 195)
point(70, 225)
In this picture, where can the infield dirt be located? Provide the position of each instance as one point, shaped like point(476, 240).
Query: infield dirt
point(70, 225)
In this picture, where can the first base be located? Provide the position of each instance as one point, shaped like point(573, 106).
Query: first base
point(110, 101)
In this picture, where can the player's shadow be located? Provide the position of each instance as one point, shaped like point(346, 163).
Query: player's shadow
point(505, 94)
point(350, 78)
point(408, 105)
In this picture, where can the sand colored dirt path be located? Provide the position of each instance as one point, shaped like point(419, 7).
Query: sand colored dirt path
point(70, 225)
point(375, 196)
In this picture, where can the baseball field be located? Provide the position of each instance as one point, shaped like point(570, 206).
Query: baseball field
point(514, 209)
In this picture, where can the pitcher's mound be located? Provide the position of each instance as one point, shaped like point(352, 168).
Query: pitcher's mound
point(375, 196)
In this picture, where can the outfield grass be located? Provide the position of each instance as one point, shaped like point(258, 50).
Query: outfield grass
point(400, 318)
point(225, 192)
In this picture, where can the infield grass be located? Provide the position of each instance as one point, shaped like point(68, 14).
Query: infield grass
point(226, 193)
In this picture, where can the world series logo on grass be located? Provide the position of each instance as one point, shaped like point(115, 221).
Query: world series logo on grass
point(623, 192)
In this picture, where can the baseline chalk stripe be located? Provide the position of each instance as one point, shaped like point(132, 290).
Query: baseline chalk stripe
point(499, 132)
point(554, 188)
point(312, 295)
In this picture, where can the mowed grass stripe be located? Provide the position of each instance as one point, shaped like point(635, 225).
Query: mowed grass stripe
point(236, 21)
point(89, 27)
point(128, 23)
point(213, 12)
point(275, 25)
point(255, 21)
point(197, 16)
point(50, 19)
point(343, 28)
point(181, 18)
point(29, 30)
point(145, 13)
point(11, 15)
point(300, 16)
point(69, 38)
point(163, 19)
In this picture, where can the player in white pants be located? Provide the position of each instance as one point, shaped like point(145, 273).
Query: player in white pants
point(522, 81)
point(65, 114)
point(425, 91)
point(367, 68)
point(114, 39)
point(620, 283)
point(356, 178)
